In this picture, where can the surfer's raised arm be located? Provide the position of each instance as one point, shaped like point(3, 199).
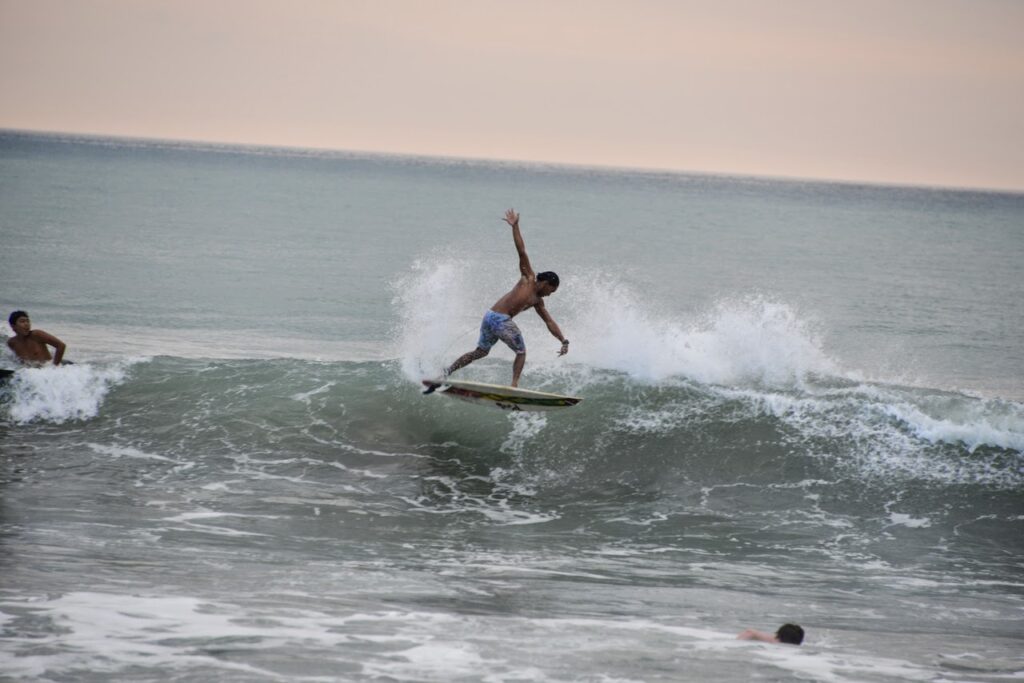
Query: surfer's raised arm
point(512, 218)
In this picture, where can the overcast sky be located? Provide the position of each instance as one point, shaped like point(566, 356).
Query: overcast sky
point(906, 91)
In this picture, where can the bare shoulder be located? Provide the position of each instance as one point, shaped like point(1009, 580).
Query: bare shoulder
point(44, 336)
point(523, 289)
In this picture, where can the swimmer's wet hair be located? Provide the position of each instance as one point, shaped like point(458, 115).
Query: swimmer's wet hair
point(13, 317)
point(790, 633)
point(548, 276)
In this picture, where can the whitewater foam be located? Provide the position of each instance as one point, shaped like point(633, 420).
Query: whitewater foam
point(972, 422)
point(435, 313)
point(886, 431)
point(59, 394)
point(525, 426)
point(749, 341)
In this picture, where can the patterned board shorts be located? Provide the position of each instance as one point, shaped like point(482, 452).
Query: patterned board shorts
point(497, 326)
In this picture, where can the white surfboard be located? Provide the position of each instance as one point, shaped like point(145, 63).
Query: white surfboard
point(506, 398)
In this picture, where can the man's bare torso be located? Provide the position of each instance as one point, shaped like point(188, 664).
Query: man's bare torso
point(521, 297)
point(30, 349)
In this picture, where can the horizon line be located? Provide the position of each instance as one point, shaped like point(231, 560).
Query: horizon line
point(605, 168)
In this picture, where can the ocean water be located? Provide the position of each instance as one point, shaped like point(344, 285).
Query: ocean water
point(803, 402)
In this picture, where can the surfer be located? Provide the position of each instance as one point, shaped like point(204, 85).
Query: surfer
point(497, 323)
point(31, 346)
point(791, 634)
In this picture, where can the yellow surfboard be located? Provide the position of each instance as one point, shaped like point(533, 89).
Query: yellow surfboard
point(499, 396)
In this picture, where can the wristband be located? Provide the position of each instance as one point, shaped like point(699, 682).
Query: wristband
point(565, 342)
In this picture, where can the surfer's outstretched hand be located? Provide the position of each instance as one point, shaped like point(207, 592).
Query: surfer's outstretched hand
point(565, 348)
point(512, 218)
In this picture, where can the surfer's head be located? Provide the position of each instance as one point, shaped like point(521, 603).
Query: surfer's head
point(790, 634)
point(14, 317)
point(548, 282)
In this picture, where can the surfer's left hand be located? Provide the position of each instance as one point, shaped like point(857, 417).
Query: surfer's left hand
point(565, 348)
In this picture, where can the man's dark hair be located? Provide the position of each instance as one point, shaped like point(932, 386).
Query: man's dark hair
point(548, 276)
point(13, 317)
point(790, 633)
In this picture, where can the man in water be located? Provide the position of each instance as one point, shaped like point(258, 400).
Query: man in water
point(497, 323)
point(31, 345)
point(791, 634)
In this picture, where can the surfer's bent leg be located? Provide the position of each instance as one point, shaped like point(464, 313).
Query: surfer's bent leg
point(465, 359)
point(493, 327)
point(488, 337)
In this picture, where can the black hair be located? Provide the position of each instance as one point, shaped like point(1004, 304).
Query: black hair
point(548, 276)
point(13, 317)
point(790, 633)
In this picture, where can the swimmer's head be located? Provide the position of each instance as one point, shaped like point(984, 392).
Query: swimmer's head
point(790, 633)
point(12, 319)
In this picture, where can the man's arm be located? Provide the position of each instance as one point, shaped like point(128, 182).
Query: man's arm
point(512, 218)
point(751, 634)
point(57, 344)
point(542, 311)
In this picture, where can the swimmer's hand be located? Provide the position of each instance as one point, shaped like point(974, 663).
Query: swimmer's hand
point(565, 347)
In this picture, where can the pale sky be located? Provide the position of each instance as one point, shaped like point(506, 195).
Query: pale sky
point(894, 91)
